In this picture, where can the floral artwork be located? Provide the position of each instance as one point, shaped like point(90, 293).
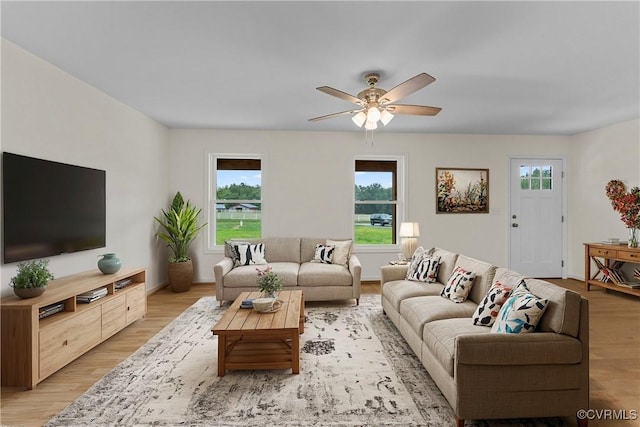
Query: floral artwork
point(462, 190)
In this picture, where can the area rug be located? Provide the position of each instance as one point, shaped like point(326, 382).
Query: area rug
point(355, 370)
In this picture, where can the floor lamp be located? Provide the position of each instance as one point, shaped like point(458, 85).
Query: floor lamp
point(409, 231)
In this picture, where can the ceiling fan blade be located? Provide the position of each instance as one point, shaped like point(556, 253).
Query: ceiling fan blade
point(340, 94)
point(407, 88)
point(418, 110)
point(330, 116)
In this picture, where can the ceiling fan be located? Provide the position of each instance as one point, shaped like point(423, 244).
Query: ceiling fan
point(377, 104)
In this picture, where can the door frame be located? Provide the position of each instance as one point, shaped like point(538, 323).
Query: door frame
point(564, 196)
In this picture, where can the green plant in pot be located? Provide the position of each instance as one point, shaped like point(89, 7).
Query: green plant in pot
point(178, 228)
point(31, 279)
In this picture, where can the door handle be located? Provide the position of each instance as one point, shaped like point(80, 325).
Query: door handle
point(514, 225)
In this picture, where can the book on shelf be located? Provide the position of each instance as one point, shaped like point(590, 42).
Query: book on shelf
point(119, 284)
point(629, 284)
point(50, 309)
point(91, 296)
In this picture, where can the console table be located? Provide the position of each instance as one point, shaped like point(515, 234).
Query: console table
point(34, 348)
point(609, 254)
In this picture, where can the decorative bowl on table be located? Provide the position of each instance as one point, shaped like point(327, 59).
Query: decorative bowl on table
point(263, 305)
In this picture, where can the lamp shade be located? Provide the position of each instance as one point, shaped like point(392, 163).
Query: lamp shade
point(409, 229)
point(373, 114)
point(385, 117)
point(359, 118)
point(370, 125)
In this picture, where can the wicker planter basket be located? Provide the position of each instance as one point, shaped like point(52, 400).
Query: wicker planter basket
point(180, 276)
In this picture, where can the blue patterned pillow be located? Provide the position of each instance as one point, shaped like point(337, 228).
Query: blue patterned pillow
point(459, 285)
point(324, 254)
point(425, 269)
point(520, 314)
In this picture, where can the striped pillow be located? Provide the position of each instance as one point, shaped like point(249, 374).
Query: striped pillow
point(425, 269)
point(247, 254)
point(324, 254)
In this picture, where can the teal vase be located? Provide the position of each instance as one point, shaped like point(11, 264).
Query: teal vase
point(109, 263)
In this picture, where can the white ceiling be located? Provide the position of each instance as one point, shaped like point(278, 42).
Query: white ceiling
point(500, 67)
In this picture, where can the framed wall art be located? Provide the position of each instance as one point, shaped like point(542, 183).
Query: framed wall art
point(461, 190)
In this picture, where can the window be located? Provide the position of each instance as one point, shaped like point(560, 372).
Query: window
point(235, 205)
point(376, 202)
point(536, 177)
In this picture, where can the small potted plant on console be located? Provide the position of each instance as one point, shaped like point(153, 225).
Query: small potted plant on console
point(32, 278)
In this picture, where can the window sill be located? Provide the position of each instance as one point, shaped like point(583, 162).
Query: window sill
point(377, 249)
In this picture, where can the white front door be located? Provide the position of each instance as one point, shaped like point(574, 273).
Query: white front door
point(535, 227)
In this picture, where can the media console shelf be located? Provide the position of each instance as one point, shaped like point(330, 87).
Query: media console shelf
point(609, 254)
point(34, 348)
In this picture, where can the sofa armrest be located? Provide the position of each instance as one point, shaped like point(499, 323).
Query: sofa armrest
point(393, 272)
point(539, 348)
point(219, 271)
point(355, 268)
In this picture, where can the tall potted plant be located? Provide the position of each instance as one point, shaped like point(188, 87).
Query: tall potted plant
point(178, 228)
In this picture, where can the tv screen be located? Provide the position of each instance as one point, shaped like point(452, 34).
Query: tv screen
point(50, 208)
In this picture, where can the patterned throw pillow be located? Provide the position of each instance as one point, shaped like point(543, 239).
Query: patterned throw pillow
point(324, 254)
point(426, 269)
point(459, 285)
point(414, 261)
point(232, 252)
point(521, 289)
point(248, 254)
point(520, 314)
point(488, 310)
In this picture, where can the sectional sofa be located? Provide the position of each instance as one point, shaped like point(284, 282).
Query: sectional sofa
point(292, 259)
point(484, 374)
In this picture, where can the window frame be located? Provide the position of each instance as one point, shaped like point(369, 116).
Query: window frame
point(399, 202)
point(211, 196)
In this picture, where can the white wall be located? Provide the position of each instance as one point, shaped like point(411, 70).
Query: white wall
point(49, 114)
point(308, 184)
point(596, 158)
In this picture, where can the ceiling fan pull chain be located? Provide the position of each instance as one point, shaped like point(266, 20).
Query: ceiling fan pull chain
point(368, 137)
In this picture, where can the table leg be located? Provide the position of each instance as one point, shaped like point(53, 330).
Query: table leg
point(222, 353)
point(295, 352)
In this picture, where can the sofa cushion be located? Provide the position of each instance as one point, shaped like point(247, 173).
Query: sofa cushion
point(484, 276)
point(520, 314)
point(342, 251)
point(308, 247)
point(487, 311)
point(419, 310)
point(563, 311)
point(247, 276)
point(399, 290)
point(440, 338)
point(316, 274)
point(508, 278)
point(458, 285)
point(447, 263)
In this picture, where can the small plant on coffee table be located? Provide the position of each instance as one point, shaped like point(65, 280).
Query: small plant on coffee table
point(268, 282)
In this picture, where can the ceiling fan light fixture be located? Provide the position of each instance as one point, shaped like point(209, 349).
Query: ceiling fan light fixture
point(359, 119)
point(371, 125)
point(373, 114)
point(385, 117)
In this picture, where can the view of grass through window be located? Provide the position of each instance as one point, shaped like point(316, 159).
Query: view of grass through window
point(374, 223)
point(238, 204)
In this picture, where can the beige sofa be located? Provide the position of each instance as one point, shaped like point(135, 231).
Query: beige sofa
point(488, 375)
point(290, 258)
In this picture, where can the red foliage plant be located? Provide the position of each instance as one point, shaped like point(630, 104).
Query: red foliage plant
point(627, 204)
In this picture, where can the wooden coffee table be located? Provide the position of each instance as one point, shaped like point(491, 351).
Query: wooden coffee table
point(248, 339)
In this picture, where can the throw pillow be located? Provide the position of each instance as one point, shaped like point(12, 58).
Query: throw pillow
point(324, 254)
point(426, 270)
point(488, 310)
point(413, 262)
point(342, 251)
point(521, 289)
point(459, 285)
point(231, 251)
point(520, 314)
point(249, 254)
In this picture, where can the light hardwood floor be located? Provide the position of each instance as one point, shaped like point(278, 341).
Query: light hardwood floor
point(614, 349)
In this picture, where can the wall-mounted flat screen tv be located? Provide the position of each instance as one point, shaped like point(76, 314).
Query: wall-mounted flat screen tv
point(50, 208)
